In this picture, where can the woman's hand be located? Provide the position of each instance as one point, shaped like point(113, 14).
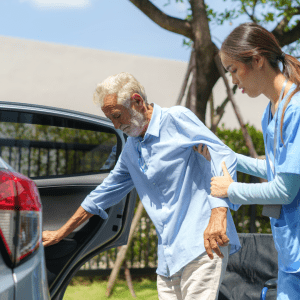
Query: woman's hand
point(203, 151)
point(220, 184)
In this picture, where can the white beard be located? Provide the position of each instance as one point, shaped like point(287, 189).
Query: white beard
point(137, 124)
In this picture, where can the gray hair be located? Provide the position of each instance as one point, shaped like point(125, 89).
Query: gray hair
point(124, 85)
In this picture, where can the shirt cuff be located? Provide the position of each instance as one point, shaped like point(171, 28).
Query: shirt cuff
point(217, 202)
point(90, 206)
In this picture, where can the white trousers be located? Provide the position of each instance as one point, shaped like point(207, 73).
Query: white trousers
point(200, 279)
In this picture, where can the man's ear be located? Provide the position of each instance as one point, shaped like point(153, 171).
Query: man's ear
point(137, 100)
point(136, 97)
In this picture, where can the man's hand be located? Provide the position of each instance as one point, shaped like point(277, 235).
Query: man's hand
point(203, 150)
point(53, 237)
point(215, 233)
point(50, 238)
point(220, 184)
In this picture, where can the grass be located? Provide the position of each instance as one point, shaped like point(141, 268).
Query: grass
point(94, 289)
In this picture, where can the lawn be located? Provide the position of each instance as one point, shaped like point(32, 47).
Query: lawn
point(95, 288)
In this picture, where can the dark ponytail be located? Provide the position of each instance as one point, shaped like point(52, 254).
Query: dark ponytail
point(251, 39)
point(291, 71)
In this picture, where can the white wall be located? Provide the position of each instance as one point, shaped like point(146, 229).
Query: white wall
point(66, 76)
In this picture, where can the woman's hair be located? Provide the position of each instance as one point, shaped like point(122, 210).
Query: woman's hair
point(251, 39)
point(122, 84)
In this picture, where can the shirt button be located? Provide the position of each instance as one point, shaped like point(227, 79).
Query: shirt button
point(153, 183)
point(165, 247)
point(165, 226)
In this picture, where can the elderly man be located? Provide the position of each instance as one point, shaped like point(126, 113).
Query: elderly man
point(159, 161)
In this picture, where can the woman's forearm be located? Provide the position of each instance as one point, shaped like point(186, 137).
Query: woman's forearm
point(282, 190)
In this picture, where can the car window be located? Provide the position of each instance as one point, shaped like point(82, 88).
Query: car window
point(41, 145)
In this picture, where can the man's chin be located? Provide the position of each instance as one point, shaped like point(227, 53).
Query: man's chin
point(132, 133)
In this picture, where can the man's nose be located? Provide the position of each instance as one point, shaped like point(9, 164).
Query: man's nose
point(116, 123)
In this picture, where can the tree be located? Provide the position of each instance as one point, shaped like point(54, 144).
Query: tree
point(196, 28)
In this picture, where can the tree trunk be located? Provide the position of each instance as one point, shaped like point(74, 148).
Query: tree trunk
point(206, 71)
point(128, 279)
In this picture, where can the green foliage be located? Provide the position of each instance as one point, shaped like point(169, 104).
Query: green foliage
point(234, 139)
point(263, 12)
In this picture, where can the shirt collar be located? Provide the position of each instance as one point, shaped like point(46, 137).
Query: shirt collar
point(153, 128)
point(154, 124)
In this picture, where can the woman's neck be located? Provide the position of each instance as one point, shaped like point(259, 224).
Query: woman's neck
point(273, 89)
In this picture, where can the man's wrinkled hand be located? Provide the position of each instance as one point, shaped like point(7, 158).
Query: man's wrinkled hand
point(215, 233)
point(50, 238)
point(219, 185)
point(203, 150)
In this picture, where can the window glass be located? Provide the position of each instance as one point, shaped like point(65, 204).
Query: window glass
point(45, 146)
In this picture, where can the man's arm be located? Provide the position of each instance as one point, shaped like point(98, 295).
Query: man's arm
point(53, 237)
point(110, 192)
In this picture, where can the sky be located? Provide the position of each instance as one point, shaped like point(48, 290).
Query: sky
point(111, 25)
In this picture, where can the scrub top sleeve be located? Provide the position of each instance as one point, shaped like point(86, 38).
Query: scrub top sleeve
point(288, 155)
point(252, 166)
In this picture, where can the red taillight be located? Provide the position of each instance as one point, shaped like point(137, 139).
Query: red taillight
point(19, 204)
point(27, 194)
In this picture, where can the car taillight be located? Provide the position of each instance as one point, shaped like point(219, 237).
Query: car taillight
point(20, 215)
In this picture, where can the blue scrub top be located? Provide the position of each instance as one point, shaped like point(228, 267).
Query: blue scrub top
point(286, 229)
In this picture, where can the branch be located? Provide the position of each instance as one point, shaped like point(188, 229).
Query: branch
point(286, 38)
point(220, 112)
point(254, 6)
point(192, 64)
point(163, 20)
point(250, 16)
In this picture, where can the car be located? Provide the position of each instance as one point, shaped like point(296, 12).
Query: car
point(22, 259)
point(56, 157)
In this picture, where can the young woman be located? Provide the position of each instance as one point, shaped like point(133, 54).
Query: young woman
point(252, 55)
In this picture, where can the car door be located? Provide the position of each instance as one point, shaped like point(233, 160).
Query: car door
point(67, 154)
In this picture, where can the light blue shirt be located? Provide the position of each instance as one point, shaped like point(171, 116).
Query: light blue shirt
point(286, 229)
point(173, 182)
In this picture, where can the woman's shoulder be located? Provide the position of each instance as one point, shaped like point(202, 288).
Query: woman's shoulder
point(291, 113)
point(295, 100)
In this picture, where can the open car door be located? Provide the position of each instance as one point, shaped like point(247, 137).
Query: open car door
point(67, 154)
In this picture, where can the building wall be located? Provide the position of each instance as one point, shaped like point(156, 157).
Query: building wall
point(66, 76)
